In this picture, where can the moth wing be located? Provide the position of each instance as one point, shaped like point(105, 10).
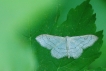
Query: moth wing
point(60, 50)
point(78, 43)
point(49, 41)
point(55, 43)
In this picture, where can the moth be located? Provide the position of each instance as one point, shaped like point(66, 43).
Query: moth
point(66, 46)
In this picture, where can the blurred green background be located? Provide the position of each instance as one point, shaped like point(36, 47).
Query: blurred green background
point(15, 14)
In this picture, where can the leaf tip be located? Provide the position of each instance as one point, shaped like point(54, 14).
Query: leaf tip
point(87, 1)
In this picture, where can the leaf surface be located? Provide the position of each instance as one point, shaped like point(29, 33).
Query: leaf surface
point(98, 69)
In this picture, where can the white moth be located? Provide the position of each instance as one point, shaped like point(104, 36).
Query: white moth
point(66, 46)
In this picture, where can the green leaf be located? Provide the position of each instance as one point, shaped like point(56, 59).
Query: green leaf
point(98, 69)
point(80, 21)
